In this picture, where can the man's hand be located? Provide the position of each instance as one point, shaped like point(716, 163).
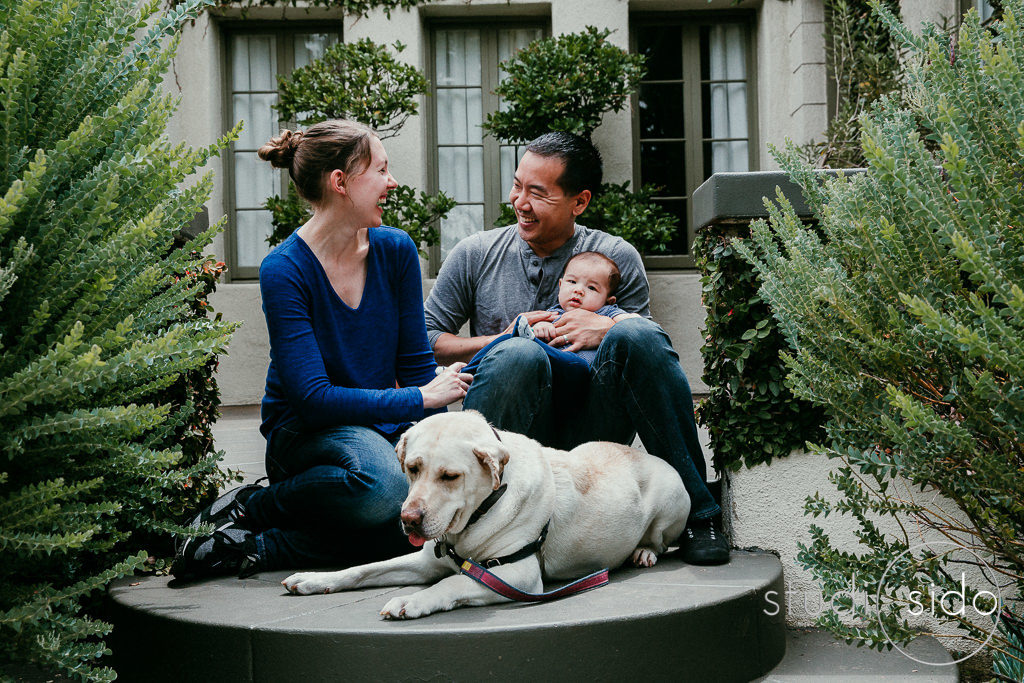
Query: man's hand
point(581, 330)
point(532, 318)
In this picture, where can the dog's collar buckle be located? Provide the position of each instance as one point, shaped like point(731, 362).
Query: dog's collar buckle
point(441, 547)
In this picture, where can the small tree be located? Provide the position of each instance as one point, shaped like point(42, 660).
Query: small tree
point(567, 83)
point(94, 320)
point(906, 321)
point(364, 82)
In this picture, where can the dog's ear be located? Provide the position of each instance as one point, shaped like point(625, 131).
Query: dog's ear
point(494, 458)
point(400, 450)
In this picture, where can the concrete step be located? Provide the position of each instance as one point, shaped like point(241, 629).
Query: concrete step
point(815, 655)
point(674, 621)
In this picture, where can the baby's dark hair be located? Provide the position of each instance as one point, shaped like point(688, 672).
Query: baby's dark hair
point(614, 277)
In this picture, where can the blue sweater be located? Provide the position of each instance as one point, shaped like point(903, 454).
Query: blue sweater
point(334, 365)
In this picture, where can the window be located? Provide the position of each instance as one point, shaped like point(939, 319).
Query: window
point(694, 113)
point(254, 59)
point(469, 166)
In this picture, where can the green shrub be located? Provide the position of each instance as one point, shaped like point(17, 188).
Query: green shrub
point(565, 83)
point(93, 322)
point(361, 81)
point(750, 414)
point(906, 323)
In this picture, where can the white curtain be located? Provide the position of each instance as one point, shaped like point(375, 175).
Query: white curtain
point(727, 61)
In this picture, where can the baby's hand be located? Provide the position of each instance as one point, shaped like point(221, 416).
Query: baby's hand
point(544, 331)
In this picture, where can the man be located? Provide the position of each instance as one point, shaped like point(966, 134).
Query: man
point(637, 385)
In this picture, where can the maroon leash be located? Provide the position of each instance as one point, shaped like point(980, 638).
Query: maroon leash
point(480, 574)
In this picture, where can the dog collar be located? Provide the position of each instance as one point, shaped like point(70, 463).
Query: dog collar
point(490, 500)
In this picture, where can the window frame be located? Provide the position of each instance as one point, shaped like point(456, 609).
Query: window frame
point(489, 27)
point(693, 112)
point(285, 62)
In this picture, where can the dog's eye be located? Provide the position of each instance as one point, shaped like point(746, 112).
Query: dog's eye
point(450, 476)
point(412, 469)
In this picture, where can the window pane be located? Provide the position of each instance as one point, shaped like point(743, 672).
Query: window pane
point(460, 172)
point(661, 111)
point(254, 180)
point(664, 51)
point(662, 163)
point(251, 231)
point(262, 62)
point(678, 209)
point(723, 52)
point(725, 110)
point(720, 157)
point(309, 47)
point(459, 115)
point(510, 156)
point(457, 57)
point(462, 222)
point(240, 63)
point(260, 118)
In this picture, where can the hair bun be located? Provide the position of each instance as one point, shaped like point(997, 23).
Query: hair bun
point(281, 149)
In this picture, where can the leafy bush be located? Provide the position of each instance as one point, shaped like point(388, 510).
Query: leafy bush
point(354, 8)
point(361, 81)
point(906, 320)
point(751, 416)
point(364, 82)
point(93, 322)
point(565, 83)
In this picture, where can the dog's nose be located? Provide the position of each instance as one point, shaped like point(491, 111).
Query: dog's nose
point(412, 516)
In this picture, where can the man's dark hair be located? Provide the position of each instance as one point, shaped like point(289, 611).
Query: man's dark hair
point(582, 160)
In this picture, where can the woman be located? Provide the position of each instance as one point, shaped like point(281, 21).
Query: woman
point(350, 368)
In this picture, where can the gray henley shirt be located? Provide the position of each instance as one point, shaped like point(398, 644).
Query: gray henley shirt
point(491, 277)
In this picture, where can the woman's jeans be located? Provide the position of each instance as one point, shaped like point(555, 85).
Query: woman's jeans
point(636, 387)
point(334, 499)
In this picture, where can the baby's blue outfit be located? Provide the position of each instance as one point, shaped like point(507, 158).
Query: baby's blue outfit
point(608, 310)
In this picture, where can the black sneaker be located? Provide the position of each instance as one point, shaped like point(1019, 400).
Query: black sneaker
point(703, 542)
point(229, 550)
point(228, 509)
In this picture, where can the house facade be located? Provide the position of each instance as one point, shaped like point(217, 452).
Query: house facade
point(724, 82)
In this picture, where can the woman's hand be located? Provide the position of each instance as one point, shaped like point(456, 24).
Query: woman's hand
point(449, 386)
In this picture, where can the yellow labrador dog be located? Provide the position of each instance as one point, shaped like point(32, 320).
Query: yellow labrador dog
point(489, 494)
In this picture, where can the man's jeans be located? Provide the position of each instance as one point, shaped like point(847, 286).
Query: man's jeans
point(637, 387)
point(334, 499)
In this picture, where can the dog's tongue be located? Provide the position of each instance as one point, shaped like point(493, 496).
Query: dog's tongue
point(417, 540)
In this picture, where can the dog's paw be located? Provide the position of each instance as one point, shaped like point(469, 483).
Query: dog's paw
point(644, 557)
point(308, 583)
point(405, 607)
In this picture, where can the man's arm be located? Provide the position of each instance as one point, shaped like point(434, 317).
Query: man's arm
point(450, 348)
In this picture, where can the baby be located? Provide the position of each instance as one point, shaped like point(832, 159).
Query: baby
point(589, 282)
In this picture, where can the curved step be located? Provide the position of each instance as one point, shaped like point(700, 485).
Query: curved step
point(674, 620)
